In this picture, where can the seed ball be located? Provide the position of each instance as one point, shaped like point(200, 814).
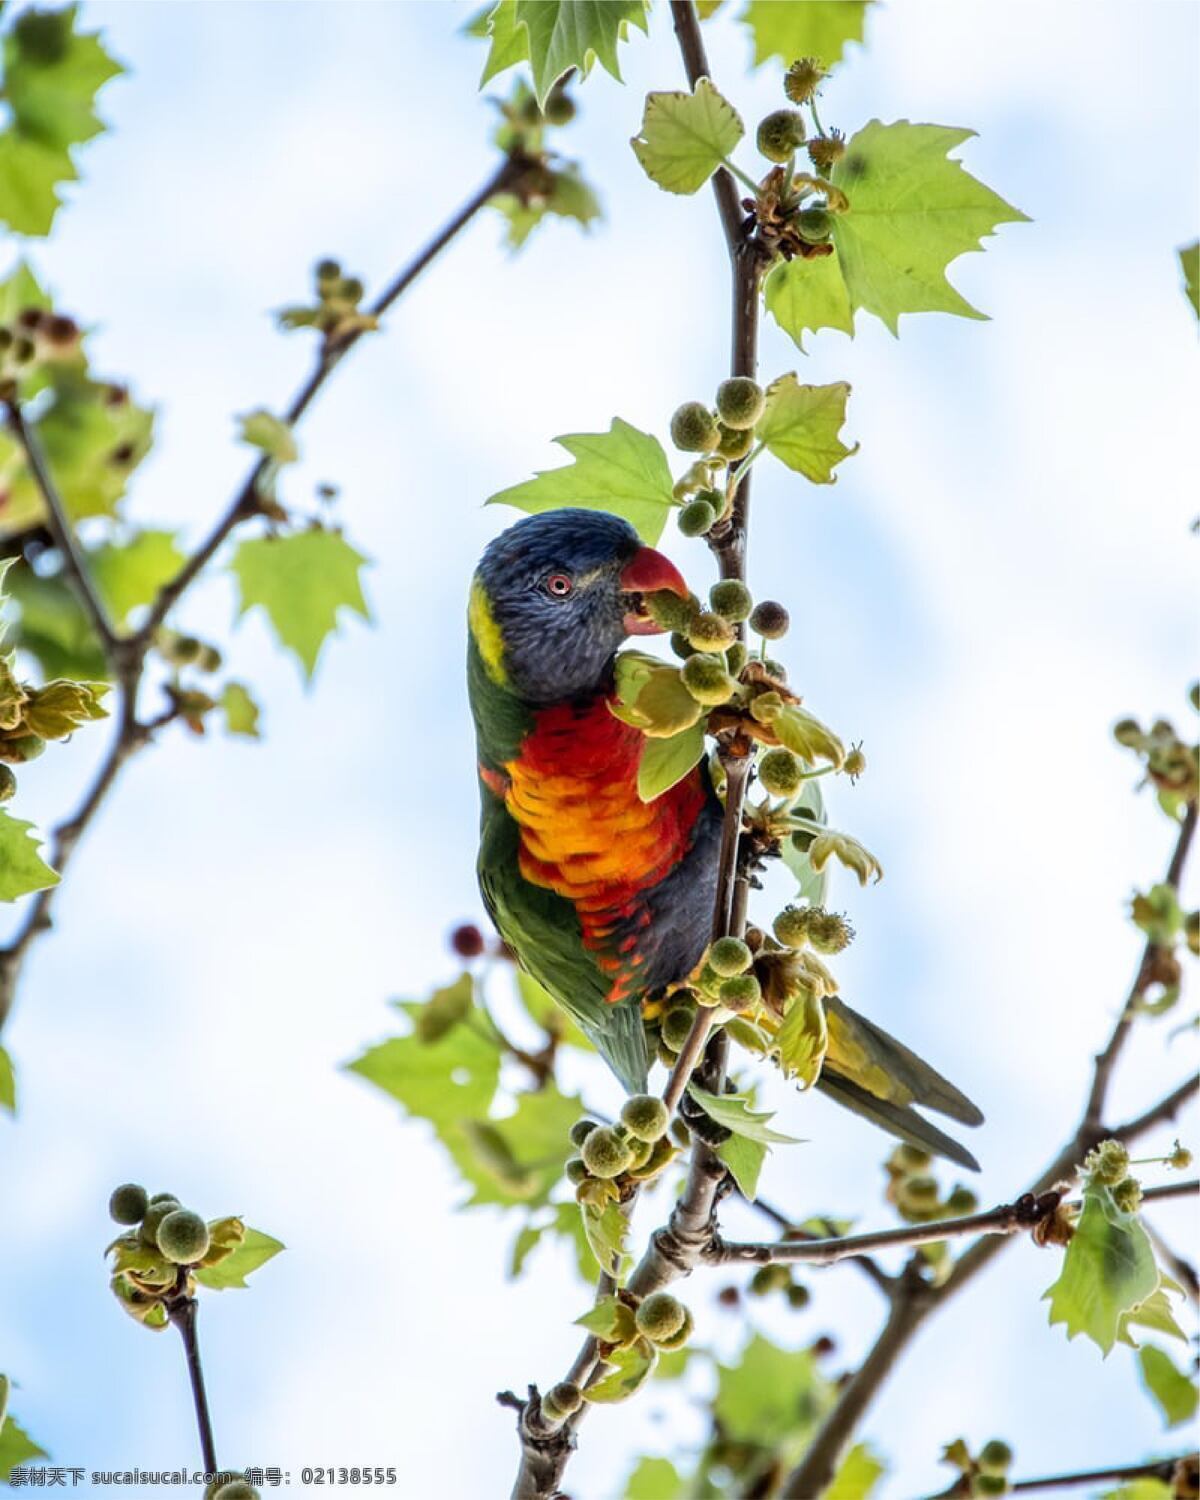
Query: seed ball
point(560, 108)
point(735, 657)
point(645, 1117)
point(352, 289)
point(781, 773)
point(681, 646)
point(731, 599)
point(153, 1217)
point(164, 1198)
point(740, 992)
point(669, 610)
point(729, 956)
point(829, 932)
point(605, 1154)
point(740, 402)
point(989, 1484)
point(128, 1203)
point(660, 1316)
point(467, 941)
point(565, 1397)
point(770, 1278)
point(1108, 1163)
point(770, 620)
point(677, 1025)
point(779, 133)
point(665, 1054)
point(696, 518)
point(681, 1336)
point(1127, 732)
point(855, 763)
point(8, 783)
point(961, 1201)
point(575, 1170)
point(814, 225)
point(1127, 1195)
point(707, 680)
point(922, 1191)
point(791, 926)
point(328, 270)
point(581, 1130)
point(708, 631)
point(995, 1455)
point(734, 443)
point(802, 79)
point(798, 1296)
point(825, 151)
point(237, 1489)
point(183, 1236)
point(694, 428)
point(23, 748)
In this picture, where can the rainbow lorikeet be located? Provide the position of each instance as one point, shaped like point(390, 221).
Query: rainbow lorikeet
point(605, 899)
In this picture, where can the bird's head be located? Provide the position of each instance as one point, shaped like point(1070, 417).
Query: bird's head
point(555, 596)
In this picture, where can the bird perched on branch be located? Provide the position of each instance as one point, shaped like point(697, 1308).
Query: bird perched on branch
point(605, 899)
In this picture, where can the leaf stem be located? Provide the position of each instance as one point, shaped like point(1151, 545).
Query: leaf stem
point(182, 1313)
point(743, 177)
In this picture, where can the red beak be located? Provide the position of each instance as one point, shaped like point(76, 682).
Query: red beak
point(645, 573)
point(648, 571)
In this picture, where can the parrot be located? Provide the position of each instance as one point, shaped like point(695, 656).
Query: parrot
point(605, 899)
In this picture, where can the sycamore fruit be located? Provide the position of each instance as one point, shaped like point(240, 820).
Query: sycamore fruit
point(676, 1025)
point(735, 657)
point(828, 931)
point(128, 1203)
point(995, 1456)
point(696, 518)
point(709, 631)
point(561, 1401)
point(1108, 1163)
point(733, 443)
point(645, 1117)
point(575, 1170)
point(780, 133)
point(680, 1336)
point(605, 1154)
point(781, 773)
point(770, 620)
point(729, 956)
point(825, 151)
point(669, 610)
point(581, 1130)
point(731, 599)
point(740, 992)
point(814, 225)
point(740, 402)
point(706, 679)
point(8, 783)
point(152, 1218)
point(182, 1236)
point(694, 428)
point(660, 1316)
point(802, 79)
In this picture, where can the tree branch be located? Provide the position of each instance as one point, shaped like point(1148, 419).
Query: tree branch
point(791, 1231)
point(59, 525)
point(182, 1313)
point(695, 62)
point(1163, 1469)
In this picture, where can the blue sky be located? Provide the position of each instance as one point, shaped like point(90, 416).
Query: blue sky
point(998, 575)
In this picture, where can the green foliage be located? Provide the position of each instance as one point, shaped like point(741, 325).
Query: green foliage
point(240, 710)
point(623, 471)
point(631, 1366)
point(802, 424)
point(606, 1230)
point(301, 580)
point(611, 1320)
point(734, 1112)
point(22, 869)
point(1189, 261)
point(1108, 1271)
point(667, 761)
point(745, 1159)
point(860, 1471)
point(8, 1083)
point(685, 137)
point(130, 573)
point(52, 73)
point(16, 1446)
point(556, 35)
point(253, 1251)
point(270, 434)
point(52, 627)
point(772, 1396)
point(817, 28)
point(564, 195)
point(1174, 1391)
point(808, 293)
point(655, 1479)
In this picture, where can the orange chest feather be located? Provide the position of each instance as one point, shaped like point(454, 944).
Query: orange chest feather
point(585, 832)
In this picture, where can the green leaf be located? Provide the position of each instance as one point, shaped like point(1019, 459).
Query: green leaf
point(301, 581)
point(653, 698)
point(51, 76)
point(8, 1083)
point(813, 884)
point(549, 1015)
point(53, 628)
point(564, 1224)
point(654, 1479)
point(685, 137)
point(745, 1160)
point(771, 1396)
point(808, 293)
point(803, 1038)
point(1189, 260)
point(858, 1475)
point(665, 762)
point(816, 28)
point(22, 868)
point(1108, 1269)
point(1154, 1313)
point(568, 197)
point(19, 290)
point(130, 574)
point(734, 1112)
point(622, 471)
point(269, 433)
point(451, 1078)
point(61, 706)
point(254, 1251)
point(632, 1366)
point(801, 426)
point(611, 1320)
point(1174, 1391)
point(16, 1446)
point(510, 42)
point(912, 211)
point(564, 34)
point(1140, 1489)
point(240, 710)
point(517, 1159)
point(606, 1229)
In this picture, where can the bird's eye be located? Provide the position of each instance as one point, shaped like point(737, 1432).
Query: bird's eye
point(559, 585)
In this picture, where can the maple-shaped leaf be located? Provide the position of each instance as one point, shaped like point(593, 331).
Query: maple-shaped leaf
point(130, 573)
point(801, 426)
point(302, 581)
point(664, 762)
point(1108, 1270)
point(629, 1369)
point(254, 1250)
point(912, 211)
point(622, 471)
point(808, 293)
point(685, 137)
point(557, 35)
point(567, 196)
point(817, 28)
point(22, 868)
point(51, 76)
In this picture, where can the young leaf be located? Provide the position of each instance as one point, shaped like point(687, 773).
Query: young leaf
point(623, 471)
point(443, 1080)
point(517, 1159)
point(1174, 1391)
point(818, 28)
point(16, 1446)
point(654, 1479)
point(8, 1083)
point(1108, 1269)
point(805, 734)
point(858, 1475)
point(605, 1229)
point(771, 1395)
point(734, 1112)
point(813, 884)
point(240, 710)
point(632, 1366)
point(22, 869)
point(565, 34)
point(801, 426)
point(301, 581)
point(806, 294)
point(254, 1251)
point(912, 211)
point(269, 433)
point(667, 761)
point(510, 42)
point(745, 1159)
point(568, 196)
point(1189, 260)
point(611, 1320)
point(1154, 1313)
point(51, 76)
point(685, 137)
point(803, 1038)
point(130, 574)
point(660, 705)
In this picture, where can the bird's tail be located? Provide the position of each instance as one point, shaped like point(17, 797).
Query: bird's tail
point(870, 1072)
point(620, 1039)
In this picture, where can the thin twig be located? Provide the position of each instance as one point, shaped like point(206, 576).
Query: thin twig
point(59, 525)
point(1008, 1218)
point(182, 1313)
point(793, 1231)
point(1160, 1469)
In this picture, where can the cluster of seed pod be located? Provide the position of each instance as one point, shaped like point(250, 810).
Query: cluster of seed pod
point(915, 1192)
point(984, 1473)
point(164, 1243)
point(723, 433)
point(611, 1157)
